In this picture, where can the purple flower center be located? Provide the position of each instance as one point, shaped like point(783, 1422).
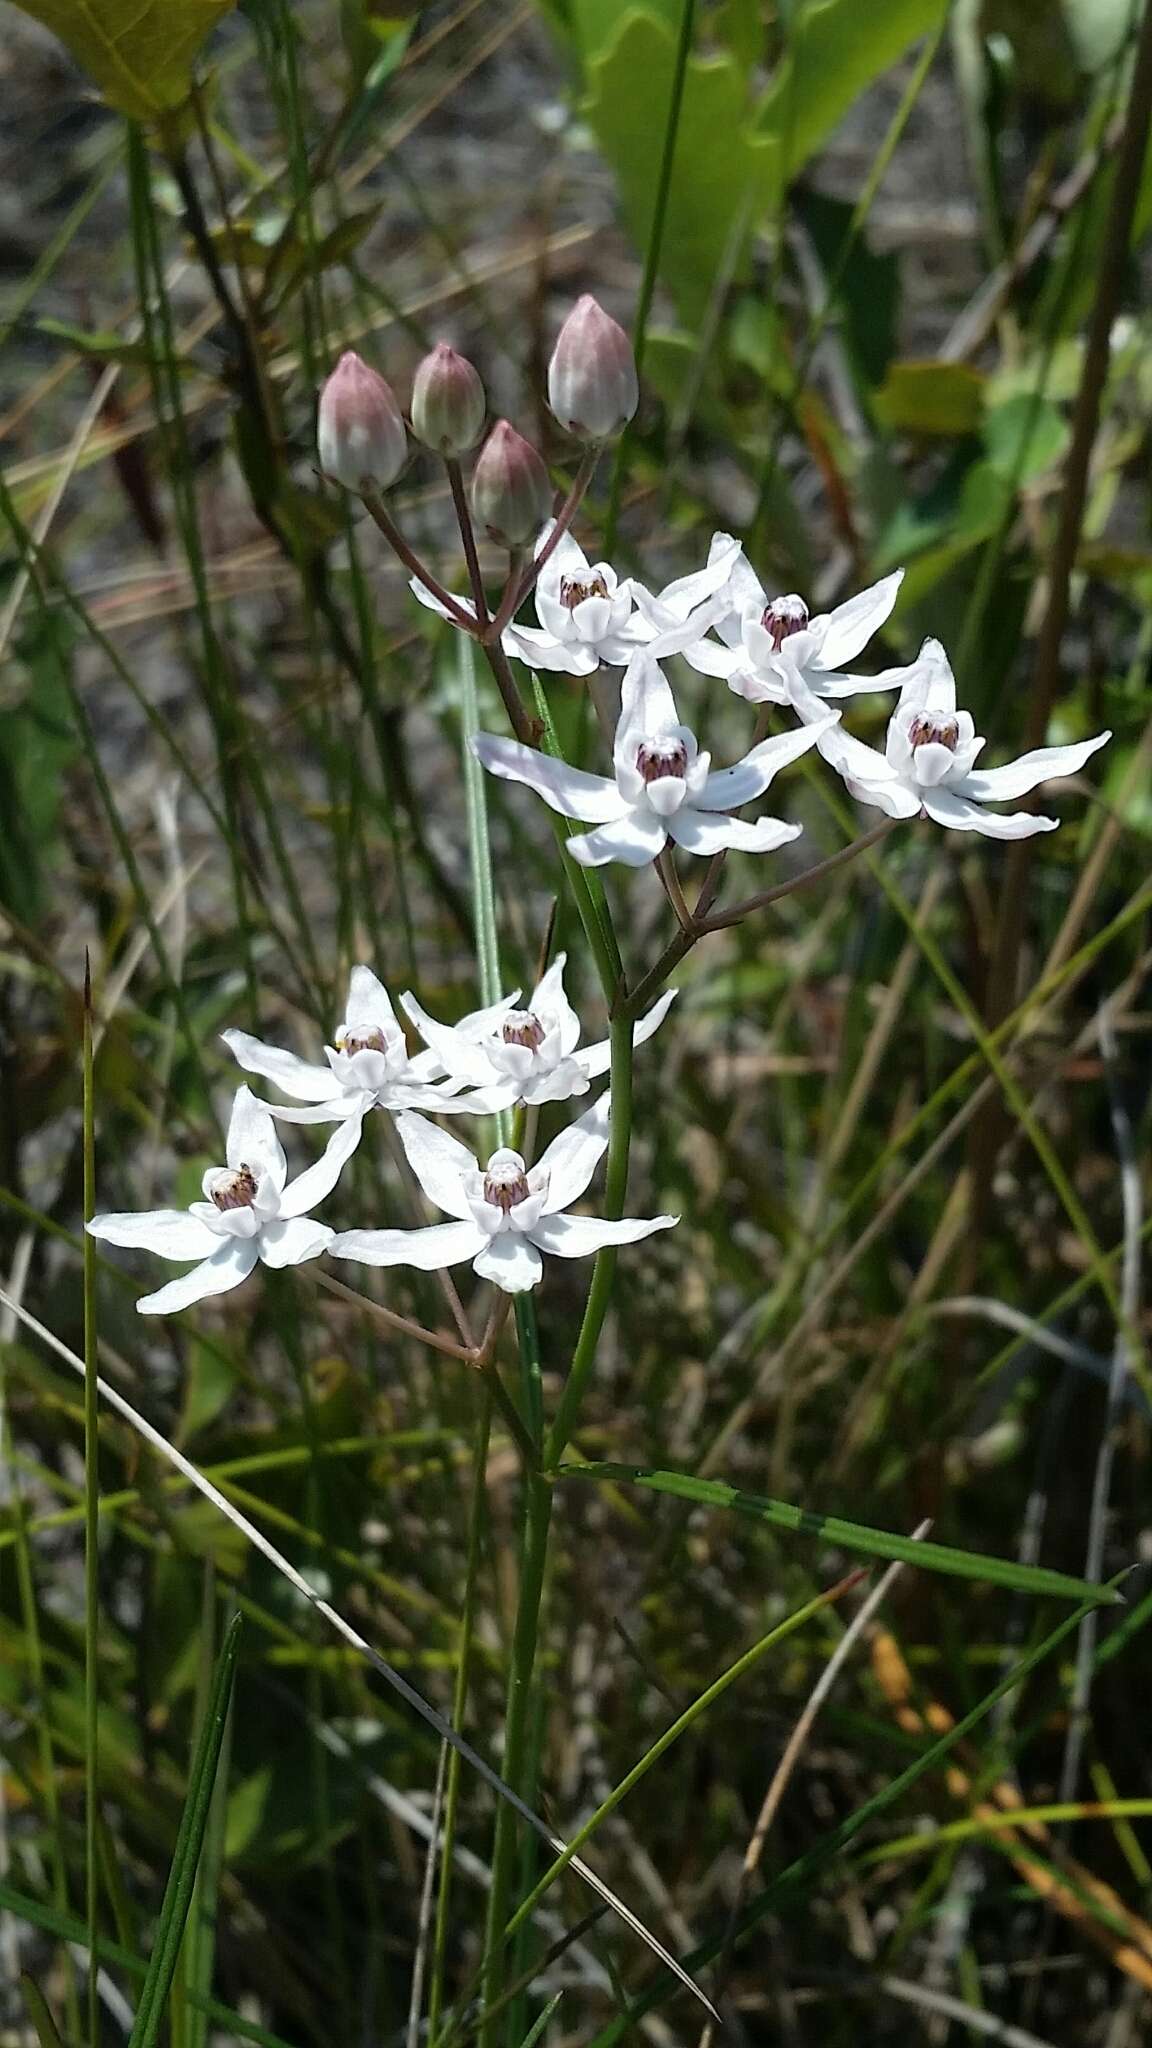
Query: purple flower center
point(658, 758)
point(783, 617)
point(506, 1183)
point(574, 589)
point(522, 1028)
point(925, 731)
point(235, 1190)
point(371, 1040)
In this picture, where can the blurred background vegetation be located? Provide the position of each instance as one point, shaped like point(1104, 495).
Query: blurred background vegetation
point(887, 269)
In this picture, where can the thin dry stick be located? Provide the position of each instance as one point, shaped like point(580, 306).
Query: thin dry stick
point(1132, 1206)
point(424, 1923)
point(793, 1749)
point(352, 1636)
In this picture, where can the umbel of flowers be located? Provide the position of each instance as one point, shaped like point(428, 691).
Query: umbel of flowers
point(661, 796)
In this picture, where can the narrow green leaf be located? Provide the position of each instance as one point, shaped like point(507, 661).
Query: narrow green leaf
point(182, 1876)
point(932, 1557)
point(541, 2022)
point(47, 2032)
point(141, 56)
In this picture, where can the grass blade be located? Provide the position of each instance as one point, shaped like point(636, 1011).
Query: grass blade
point(778, 1514)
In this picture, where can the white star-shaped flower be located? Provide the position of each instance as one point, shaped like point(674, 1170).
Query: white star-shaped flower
point(251, 1211)
point(770, 647)
point(927, 769)
point(368, 1066)
point(662, 788)
point(506, 1213)
point(528, 1055)
point(588, 614)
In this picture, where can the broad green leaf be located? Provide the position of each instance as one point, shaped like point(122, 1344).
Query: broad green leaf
point(932, 1557)
point(835, 49)
point(139, 52)
point(931, 398)
point(1024, 437)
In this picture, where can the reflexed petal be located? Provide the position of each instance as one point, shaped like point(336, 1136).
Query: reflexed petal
point(706, 833)
point(511, 1260)
point(962, 816)
point(647, 706)
point(574, 1237)
point(828, 684)
point(302, 1078)
point(252, 1139)
point(541, 649)
point(749, 778)
point(567, 1078)
point(549, 1002)
point(173, 1233)
point(596, 1059)
point(1016, 778)
point(438, 1245)
point(635, 839)
point(354, 1103)
point(369, 1005)
point(230, 1263)
point(591, 798)
point(458, 1053)
point(758, 689)
point(292, 1239)
point(895, 799)
point(851, 625)
point(423, 595)
point(708, 658)
point(441, 1163)
point(319, 1179)
point(572, 1158)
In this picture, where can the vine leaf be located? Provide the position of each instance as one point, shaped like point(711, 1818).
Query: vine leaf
point(140, 56)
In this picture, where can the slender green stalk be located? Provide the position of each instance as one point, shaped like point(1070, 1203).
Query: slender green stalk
point(91, 1534)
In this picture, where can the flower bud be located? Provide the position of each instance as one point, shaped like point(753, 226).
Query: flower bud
point(448, 403)
point(360, 434)
point(511, 494)
point(592, 385)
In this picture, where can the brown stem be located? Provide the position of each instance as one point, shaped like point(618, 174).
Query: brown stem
point(467, 536)
point(738, 911)
point(518, 718)
point(435, 1338)
point(374, 505)
point(510, 598)
point(520, 588)
point(666, 870)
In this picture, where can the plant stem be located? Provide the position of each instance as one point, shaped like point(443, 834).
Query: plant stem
point(467, 536)
point(521, 587)
point(377, 511)
point(91, 1530)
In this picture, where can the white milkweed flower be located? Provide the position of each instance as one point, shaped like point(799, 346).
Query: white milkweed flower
point(662, 788)
point(368, 1066)
point(529, 1055)
point(251, 1212)
point(926, 769)
point(588, 615)
point(506, 1213)
point(770, 647)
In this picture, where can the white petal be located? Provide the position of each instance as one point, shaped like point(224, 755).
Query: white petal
point(749, 778)
point(369, 1006)
point(647, 705)
point(482, 1023)
point(635, 839)
point(439, 1245)
point(666, 794)
point(173, 1233)
point(932, 764)
point(460, 1055)
point(681, 597)
point(830, 685)
point(572, 1158)
point(930, 684)
point(1016, 778)
point(963, 816)
point(511, 1260)
point(319, 1179)
point(301, 1078)
point(708, 658)
point(574, 1237)
point(292, 1239)
point(424, 596)
point(441, 1163)
point(592, 798)
point(541, 649)
point(596, 1059)
point(229, 1264)
point(895, 799)
point(708, 833)
point(252, 1139)
point(566, 1079)
point(851, 625)
point(549, 1002)
point(355, 1103)
point(567, 557)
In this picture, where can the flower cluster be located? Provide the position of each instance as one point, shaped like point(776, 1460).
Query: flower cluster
point(662, 794)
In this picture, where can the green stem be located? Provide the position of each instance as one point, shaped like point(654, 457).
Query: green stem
point(91, 1530)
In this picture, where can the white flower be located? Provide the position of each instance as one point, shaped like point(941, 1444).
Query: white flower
point(589, 616)
point(769, 647)
point(367, 1066)
point(251, 1211)
point(506, 1213)
point(532, 1055)
point(662, 787)
point(926, 767)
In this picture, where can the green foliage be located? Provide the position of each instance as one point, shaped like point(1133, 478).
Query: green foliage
point(140, 53)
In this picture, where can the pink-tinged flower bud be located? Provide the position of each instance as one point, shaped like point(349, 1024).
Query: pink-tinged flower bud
point(360, 434)
point(448, 403)
point(592, 384)
point(511, 494)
